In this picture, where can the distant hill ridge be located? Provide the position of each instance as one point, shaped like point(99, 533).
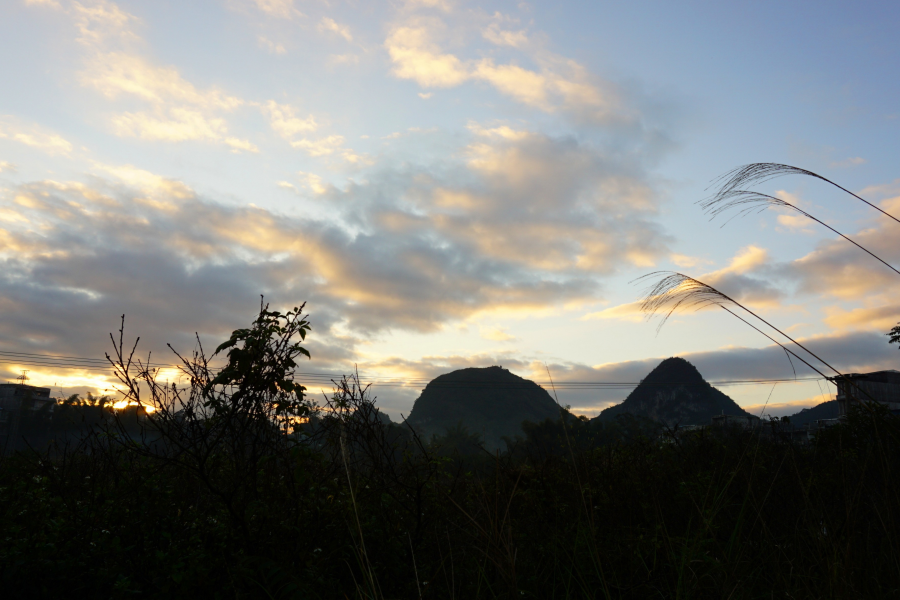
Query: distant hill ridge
point(488, 401)
point(825, 410)
point(675, 393)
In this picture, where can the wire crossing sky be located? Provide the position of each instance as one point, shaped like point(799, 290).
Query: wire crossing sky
point(447, 184)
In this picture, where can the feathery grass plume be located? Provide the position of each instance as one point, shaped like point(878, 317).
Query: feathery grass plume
point(675, 291)
point(747, 202)
point(735, 182)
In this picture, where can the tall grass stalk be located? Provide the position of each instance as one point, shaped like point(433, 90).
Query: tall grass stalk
point(674, 291)
point(586, 506)
point(733, 183)
point(345, 395)
point(751, 201)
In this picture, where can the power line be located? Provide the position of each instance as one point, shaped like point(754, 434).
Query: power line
point(78, 362)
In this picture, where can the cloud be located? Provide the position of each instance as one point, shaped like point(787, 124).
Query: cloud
point(881, 318)
point(34, 136)
point(501, 131)
point(315, 184)
point(514, 225)
point(270, 46)
point(853, 161)
point(788, 219)
point(524, 85)
point(736, 281)
point(281, 9)
point(285, 123)
point(321, 147)
point(410, 130)
point(795, 222)
point(100, 21)
point(238, 145)
point(838, 269)
point(425, 96)
point(161, 104)
point(444, 5)
point(176, 263)
point(622, 312)
point(329, 25)
point(414, 46)
point(117, 74)
point(884, 189)
point(178, 125)
point(7, 167)
point(504, 37)
point(549, 203)
point(890, 194)
point(835, 269)
point(495, 334)
point(180, 111)
point(161, 189)
point(418, 58)
point(687, 262)
point(343, 59)
point(733, 280)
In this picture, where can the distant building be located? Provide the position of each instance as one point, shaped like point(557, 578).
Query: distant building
point(15, 400)
point(881, 386)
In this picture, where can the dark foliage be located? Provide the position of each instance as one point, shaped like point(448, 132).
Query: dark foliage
point(215, 503)
point(615, 511)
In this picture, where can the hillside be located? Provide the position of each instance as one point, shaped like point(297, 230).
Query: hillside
point(825, 410)
point(675, 393)
point(491, 402)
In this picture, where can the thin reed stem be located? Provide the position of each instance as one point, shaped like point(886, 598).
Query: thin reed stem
point(750, 201)
point(735, 180)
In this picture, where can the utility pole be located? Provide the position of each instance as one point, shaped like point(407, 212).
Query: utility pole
point(17, 414)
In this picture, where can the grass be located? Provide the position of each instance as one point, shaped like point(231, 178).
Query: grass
point(725, 515)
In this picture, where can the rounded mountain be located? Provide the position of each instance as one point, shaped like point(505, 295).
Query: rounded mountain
point(490, 401)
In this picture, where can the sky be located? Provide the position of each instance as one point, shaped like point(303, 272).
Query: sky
point(447, 184)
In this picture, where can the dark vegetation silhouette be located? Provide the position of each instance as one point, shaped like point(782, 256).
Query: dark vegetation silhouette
point(238, 484)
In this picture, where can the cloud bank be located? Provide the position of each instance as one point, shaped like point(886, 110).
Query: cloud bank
point(520, 221)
